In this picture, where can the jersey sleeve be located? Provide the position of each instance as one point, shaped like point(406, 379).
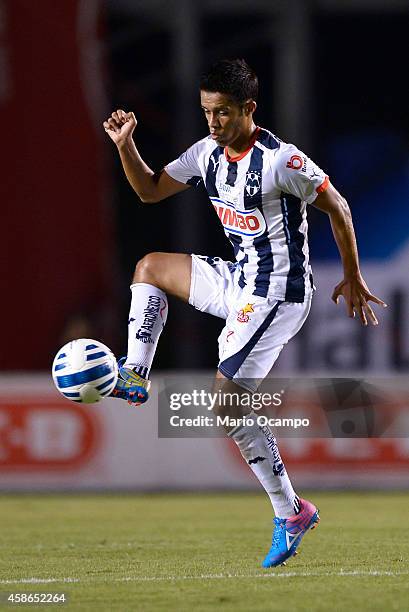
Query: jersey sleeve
point(185, 168)
point(298, 175)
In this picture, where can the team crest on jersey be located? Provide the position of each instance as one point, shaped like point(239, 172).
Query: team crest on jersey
point(243, 316)
point(253, 182)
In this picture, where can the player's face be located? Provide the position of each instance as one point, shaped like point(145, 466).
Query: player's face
point(225, 118)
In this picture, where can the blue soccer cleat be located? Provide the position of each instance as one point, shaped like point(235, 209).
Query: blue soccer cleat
point(288, 534)
point(130, 386)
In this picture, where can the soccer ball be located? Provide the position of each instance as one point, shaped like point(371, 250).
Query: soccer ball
point(85, 371)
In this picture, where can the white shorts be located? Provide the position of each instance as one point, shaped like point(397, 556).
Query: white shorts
point(256, 328)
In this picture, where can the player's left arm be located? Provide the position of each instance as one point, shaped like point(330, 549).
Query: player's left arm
point(353, 287)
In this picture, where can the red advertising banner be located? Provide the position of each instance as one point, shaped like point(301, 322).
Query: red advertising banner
point(48, 442)
point(47, 435)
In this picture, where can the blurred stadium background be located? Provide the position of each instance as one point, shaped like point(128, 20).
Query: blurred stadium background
point(333, 80)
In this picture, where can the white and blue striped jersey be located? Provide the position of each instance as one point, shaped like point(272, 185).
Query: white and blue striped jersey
point(261, 198)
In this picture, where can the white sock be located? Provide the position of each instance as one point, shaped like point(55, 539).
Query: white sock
point(258, 447)
point(147, 318)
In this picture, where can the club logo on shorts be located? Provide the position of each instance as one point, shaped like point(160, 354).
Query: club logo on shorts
point(243, 316)
point(253, 185)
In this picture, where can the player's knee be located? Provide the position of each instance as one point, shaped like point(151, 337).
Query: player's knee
point(148, 269)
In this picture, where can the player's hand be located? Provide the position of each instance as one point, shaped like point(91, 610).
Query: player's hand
point(357, 295)
point(120, 126)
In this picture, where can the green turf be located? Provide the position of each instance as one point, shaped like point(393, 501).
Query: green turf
point(203, 552)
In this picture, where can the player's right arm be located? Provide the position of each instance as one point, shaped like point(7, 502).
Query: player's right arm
point(150, 186)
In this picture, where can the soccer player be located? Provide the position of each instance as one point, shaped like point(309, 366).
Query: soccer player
point(260, 187)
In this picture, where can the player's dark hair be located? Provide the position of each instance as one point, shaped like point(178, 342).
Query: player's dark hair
point(234, 78)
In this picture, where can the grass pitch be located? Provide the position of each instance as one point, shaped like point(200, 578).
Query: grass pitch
point(203, 552)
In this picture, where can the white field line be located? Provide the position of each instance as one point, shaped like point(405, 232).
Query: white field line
point(39, 580)
point(267, 575)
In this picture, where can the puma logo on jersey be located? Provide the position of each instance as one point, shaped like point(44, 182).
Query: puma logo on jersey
point(215, 163)
point(311, 176)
